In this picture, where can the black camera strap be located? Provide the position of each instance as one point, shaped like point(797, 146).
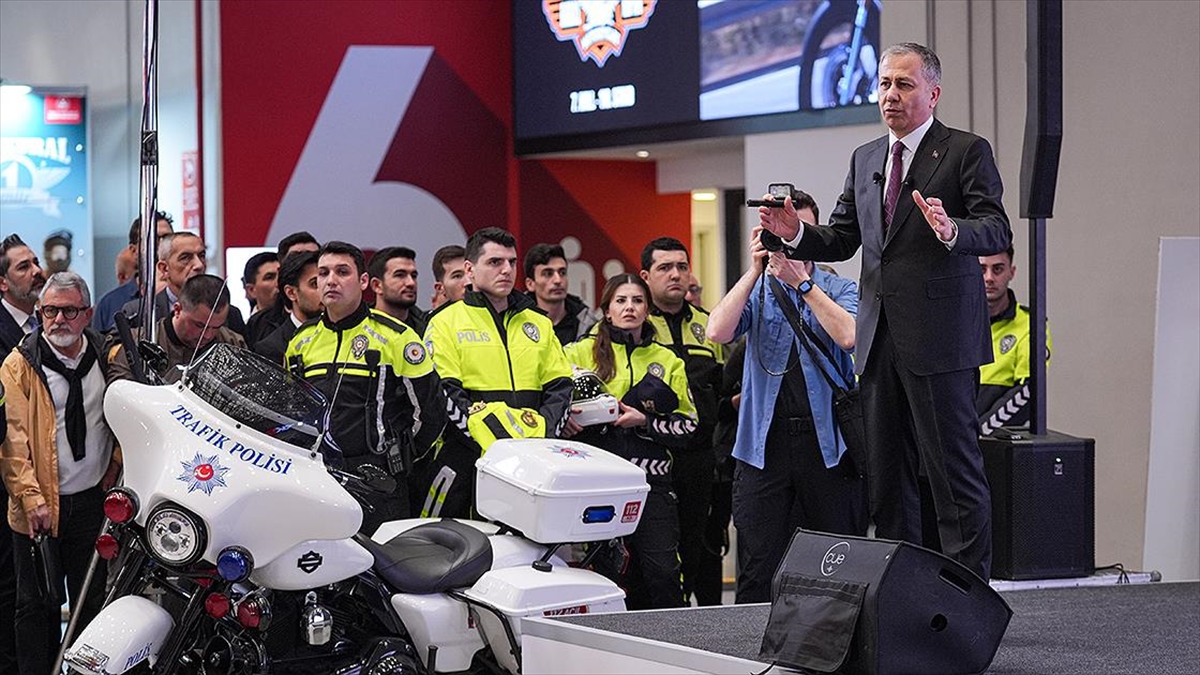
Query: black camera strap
point(808, 337)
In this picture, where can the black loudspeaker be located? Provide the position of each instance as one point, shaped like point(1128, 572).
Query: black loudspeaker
point(1043, 108)
point(919, 611)
point(1043, 504)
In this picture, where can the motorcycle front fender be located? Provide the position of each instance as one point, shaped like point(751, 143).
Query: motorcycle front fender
point(128, 631)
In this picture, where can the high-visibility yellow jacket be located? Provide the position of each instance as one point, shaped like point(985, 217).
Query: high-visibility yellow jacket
point(504, 374)
point(379, 379)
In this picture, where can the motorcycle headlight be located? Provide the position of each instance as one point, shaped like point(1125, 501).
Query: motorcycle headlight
point(174, 536)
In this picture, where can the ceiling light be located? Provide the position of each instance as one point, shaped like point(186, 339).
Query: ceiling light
point(14, 89)
point(642, 154)
point(704, 196)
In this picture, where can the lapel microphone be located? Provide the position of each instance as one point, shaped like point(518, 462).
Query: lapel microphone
point(877, 178)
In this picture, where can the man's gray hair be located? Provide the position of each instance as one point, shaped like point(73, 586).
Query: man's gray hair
point(167, 240)
point(931, 67)
point(64, 281)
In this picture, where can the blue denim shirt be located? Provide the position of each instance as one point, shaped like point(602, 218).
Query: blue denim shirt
point(772, 340)
point(111, 303)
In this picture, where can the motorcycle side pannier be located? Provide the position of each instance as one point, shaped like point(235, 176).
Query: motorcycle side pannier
point(556, 491)
point(512, 594)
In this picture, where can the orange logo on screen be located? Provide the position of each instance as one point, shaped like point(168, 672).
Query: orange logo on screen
point(597, 27)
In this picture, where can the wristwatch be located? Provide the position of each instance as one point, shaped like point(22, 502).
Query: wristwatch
point(805, 286)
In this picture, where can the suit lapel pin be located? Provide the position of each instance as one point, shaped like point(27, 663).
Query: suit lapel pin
point(935, 154)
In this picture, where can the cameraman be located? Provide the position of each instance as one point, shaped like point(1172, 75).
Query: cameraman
point(789, 452)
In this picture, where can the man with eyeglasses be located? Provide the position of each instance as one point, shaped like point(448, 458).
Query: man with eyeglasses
point(197, 321)
point(57, 460)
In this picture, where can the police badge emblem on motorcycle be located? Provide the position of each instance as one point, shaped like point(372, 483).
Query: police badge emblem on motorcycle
point(531, 331)
point(358, 346)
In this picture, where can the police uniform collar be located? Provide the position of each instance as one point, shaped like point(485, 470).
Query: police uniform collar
point(1009, 312)
point(684, 314)
point(624, 337)
point(517, 301)
point(356, 317)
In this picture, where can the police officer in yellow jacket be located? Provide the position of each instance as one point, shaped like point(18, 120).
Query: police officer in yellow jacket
point(1003, 396)
point(501, 367)
point(386, 407)
point(657, 417)
point(681, 327)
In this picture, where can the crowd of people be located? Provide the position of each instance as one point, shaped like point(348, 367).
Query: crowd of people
point(730, 414)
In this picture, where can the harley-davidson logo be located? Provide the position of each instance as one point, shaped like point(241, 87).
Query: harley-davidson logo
point(597, 27)
point(309, 562)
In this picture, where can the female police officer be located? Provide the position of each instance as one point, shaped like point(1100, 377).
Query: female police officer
point(656, 416)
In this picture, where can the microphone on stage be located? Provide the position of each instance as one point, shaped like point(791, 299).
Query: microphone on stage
point(877, 178)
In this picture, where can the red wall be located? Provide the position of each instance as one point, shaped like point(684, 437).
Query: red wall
point(279, 59)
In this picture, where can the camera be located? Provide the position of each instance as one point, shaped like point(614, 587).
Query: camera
point(781, 191)
point(770, 240)
point(778, 193)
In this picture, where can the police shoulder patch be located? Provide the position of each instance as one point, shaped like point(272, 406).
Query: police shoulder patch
point(531, 331)
point(698, 332)
point(1007, 343)
point(358, 346)
point(414, 353)
point(656, 369)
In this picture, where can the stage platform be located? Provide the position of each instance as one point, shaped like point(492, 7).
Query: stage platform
point(1093, 630)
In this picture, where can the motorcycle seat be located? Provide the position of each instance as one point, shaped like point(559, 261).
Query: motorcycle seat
point(431, 558)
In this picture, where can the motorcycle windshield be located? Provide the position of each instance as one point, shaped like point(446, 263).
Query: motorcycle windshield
point(259, 394)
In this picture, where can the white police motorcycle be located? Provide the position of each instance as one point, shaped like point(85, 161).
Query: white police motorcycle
point(236, 548)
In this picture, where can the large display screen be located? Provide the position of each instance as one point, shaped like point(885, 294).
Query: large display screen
point(597, 73)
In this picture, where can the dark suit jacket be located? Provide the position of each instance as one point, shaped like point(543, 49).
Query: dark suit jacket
point(10, 333)
point(933, 297)
point(274, 345)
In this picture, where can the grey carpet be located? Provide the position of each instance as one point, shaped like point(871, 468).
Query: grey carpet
point(1100, 630)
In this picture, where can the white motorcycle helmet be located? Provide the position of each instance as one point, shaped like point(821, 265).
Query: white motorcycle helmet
point(590, 402)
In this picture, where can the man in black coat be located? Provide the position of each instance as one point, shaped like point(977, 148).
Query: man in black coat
point(922, 329)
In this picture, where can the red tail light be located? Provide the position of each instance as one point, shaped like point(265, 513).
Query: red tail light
point(107, 546)
point(120, 506)
point(217, 605)
point(254, 612)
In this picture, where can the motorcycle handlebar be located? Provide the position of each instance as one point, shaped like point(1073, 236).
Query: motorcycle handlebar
point(372, 480)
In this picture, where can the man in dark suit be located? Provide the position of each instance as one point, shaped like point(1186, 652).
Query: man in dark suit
point(21, 280)
point(181, 256)
point(922, 329)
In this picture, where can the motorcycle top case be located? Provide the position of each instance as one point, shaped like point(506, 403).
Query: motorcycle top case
point(555, 491)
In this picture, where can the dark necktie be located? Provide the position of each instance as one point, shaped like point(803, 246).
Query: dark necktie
point(76, 416)
point(895, 178)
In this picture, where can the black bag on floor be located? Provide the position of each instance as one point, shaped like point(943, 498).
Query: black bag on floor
point(45, 565)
